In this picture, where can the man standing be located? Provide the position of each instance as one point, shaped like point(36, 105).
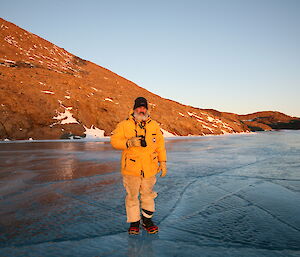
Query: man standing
point(143, 156)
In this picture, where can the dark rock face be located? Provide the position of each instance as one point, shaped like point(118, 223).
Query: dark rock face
point(268, 120)
point(48, 93)
point(293, 124)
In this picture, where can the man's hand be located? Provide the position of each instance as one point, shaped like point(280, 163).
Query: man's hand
point(163, 168)
point(134, 141)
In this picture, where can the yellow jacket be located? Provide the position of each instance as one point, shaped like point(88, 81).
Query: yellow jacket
point(139, 161)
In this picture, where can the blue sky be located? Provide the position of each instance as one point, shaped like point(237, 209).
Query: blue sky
point(235, 55)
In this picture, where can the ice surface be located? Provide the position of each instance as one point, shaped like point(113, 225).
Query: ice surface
point(231, 195)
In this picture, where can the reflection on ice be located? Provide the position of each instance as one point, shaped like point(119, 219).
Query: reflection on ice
point(224, 196)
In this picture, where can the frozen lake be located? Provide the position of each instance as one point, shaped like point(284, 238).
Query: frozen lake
point(231, 195)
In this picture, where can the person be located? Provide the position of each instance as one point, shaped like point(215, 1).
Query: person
point(143, 157)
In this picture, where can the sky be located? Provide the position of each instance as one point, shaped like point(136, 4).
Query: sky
point(230, 55)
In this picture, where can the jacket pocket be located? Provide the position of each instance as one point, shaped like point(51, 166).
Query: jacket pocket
point(132, 164)
point(154, 161)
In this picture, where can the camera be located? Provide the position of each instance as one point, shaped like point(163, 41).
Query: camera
point(143, 141)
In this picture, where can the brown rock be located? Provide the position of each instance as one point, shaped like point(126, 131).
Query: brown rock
point(40, 81)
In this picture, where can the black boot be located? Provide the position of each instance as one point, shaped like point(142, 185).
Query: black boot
point(134, 228)
point(148, 224)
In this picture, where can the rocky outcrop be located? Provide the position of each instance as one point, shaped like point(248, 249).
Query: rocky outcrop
point(269, 120)
point(48, 93)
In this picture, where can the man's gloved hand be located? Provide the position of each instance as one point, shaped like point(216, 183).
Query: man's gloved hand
point(134, 141)
point(163, 168)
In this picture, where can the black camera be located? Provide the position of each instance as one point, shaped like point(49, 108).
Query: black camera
point(143, 141)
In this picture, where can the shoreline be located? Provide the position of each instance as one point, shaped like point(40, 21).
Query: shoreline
point(107, 139)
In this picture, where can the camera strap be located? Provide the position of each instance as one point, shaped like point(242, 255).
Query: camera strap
point(142, 125)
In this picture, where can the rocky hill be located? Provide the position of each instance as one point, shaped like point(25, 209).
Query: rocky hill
point(49, 93)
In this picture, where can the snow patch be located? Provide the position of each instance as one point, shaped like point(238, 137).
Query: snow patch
point(210, 119)
point(47, 92)
point(167, 133)
point(9, 61)
point(65, 117)
point(224, 125)
point(192, 114)
point(204, 126)
point(224, 131)
point(11, 40)
point(93, 132)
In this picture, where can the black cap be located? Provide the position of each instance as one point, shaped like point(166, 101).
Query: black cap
point(140, 101)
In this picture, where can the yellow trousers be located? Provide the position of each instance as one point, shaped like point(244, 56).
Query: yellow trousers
point(138, 186)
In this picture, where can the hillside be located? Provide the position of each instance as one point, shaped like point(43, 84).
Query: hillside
point(49, 93)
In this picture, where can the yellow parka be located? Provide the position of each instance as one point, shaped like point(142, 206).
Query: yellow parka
point(139, 161)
